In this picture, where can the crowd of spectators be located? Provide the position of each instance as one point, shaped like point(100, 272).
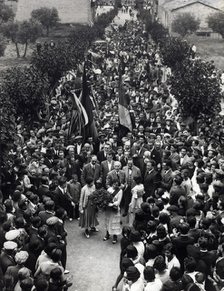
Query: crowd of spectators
point(167, 182)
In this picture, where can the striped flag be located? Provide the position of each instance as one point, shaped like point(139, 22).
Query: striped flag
point(79, 118)
point(80, 107)
point(90, 128)
point(123, 111)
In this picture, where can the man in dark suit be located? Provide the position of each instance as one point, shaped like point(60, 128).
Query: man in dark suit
point(116, 175)
point(63, 198)
point(131, 172)
point(102, 155)
point(137, 152)
point(106, 167)
point(181, 242)
point(152, 179)
point(157, 154)
point(121, 157)
point(91, 169)
point(167, 175)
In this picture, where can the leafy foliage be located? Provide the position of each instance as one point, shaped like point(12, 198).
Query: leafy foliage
point(174, 52)
point(157, 31)
point(82, 36)
point(28, 32)
point(185, 23)
point(101, 198)
point(216, 23)
point(54, 61)
point(2, 45)
point(26, 89)
point(197, 89)
point(48, 17)
point(24, 32)
point(6, 13)
point(7, 127)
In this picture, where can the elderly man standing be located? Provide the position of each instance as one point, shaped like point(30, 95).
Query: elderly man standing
point(131, 172)
point(91, 169)
point(116, 174)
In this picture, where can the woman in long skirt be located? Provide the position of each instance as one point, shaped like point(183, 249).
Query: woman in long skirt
point(87, 208)
point(113, 213)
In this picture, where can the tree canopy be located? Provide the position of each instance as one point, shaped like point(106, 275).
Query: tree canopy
point(26, 89)
point(2, 45)
point(174, 51)
point(216, 23)
point(196, 87)
point(54, 61)
point(6, 13)
point(185, 23)
point(7, 126)
point(24, 32)
point(48, 17)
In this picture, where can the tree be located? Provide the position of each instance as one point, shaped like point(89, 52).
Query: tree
point(2, 45)
point(24, 32)
point(10, 30)
point(216, 23)
point(48, 17)
point(26, 88)
point(197, 89)
point(6, 13)
point(185, 23)
point(7, 127)
point(29, 31)
point(54, 61)
point(174, 51)
point(157, 31)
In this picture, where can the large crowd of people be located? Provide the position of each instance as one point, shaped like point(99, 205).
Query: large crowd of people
point(166, 182)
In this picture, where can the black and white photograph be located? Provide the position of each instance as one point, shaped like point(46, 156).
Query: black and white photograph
point(111, 145)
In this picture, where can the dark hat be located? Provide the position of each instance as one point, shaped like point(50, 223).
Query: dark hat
point(101, 134)
point(173, 208)
point(135, 236)
point(132, 273)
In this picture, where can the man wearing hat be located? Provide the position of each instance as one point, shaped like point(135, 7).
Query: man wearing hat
point(78, 145)
point(7, 255)
point(20, 259)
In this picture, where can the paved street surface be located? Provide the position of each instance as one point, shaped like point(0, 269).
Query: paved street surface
point(93, 263)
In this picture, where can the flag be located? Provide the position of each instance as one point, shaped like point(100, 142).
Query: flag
point(80, 107)
point(123, 111)
point(79, 117)
point(90, 128)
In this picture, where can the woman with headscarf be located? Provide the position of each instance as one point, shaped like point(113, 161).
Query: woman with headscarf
point(87, 208)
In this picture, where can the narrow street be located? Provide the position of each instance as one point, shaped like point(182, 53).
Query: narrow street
point(93, 263)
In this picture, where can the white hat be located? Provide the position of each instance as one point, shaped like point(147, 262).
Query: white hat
point(10, 245)
point(12, 234)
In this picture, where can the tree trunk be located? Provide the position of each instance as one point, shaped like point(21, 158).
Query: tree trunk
point(25, 51)
point(47, 30)
point(17, 50)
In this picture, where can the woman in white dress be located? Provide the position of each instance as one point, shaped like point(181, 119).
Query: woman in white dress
point(113, 213)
